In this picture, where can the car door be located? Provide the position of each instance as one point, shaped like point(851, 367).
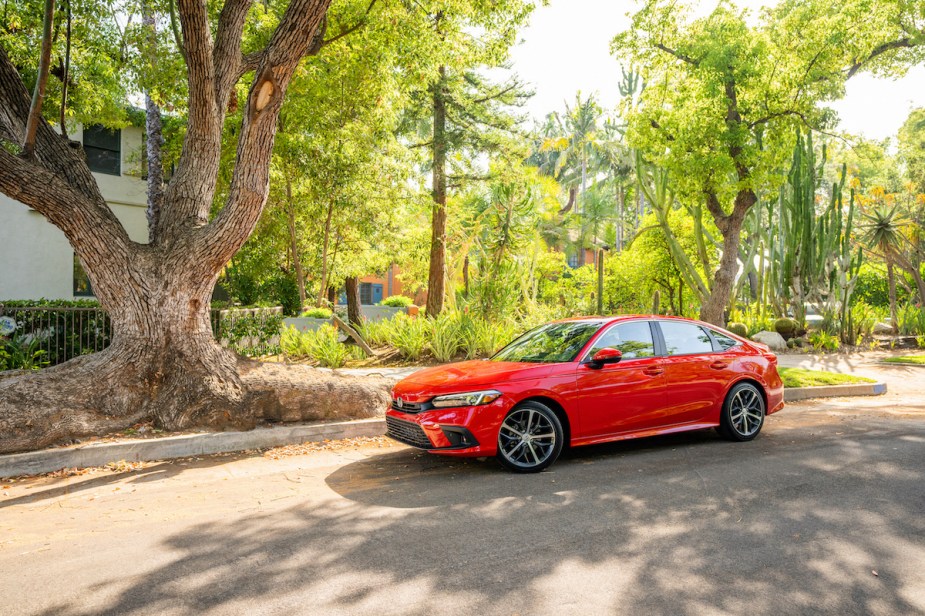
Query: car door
point(697, 373)
point(626, 396)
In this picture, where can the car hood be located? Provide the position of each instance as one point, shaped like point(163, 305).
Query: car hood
point(474, 374)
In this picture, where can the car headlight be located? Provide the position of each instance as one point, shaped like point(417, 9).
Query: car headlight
point(472, 398)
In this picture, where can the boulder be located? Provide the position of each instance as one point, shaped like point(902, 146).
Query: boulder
point(882, 329)
point(774, 340)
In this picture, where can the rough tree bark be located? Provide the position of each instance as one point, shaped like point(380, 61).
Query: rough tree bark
point(38, 96)
point(164, 362)
point(436, 278)
point(730, 225)
point(354, 313)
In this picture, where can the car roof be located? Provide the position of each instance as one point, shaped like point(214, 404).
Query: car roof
point(627, 317)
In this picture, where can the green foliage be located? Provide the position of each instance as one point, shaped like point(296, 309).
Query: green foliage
point(912, 148)
point(446, 336)
point(323, 345)
point(250, 332)
point(872, 287)
point(65, 329)
point(823, 341)
point(397, 301)
point(911, 320)
point(786, 327)
point(317, 313)
point(864, 317)
point(21, 353)
point(739, 329)
point(410, 336)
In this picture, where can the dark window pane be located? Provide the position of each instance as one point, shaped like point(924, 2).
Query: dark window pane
point(104, 138)
point(366, 293)
point(81, 280)
point(724, 341)
point(632, 339)
point(103, 150)
point(685, 338)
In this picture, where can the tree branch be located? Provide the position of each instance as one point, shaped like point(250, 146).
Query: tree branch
point(877, 51)
point(226, 57)
point(35, 110)
point(678, 55)
point(250, 182)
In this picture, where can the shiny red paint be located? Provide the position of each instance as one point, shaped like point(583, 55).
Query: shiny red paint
point(628, 399)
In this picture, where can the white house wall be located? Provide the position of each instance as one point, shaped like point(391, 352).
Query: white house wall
point(36, 261)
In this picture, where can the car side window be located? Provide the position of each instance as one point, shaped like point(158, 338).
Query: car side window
point(632, 339)
point(724, 341)
point(685, 338)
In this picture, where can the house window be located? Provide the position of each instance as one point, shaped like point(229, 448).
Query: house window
point(81, 280)
point(103, 149)
point(370, 293)
point(573, 260)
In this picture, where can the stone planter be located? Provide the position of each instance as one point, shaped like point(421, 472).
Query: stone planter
point(304, 324)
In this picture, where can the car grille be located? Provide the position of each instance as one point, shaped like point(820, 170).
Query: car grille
point(407, 432)
point(407, 407)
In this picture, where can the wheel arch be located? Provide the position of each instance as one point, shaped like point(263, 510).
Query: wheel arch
point(557, 408)
point(752, 381)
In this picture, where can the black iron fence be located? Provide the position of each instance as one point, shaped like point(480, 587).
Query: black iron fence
point(47, 334)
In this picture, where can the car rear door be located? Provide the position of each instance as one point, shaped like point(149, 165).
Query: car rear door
point(626, 396)
point(697, 372)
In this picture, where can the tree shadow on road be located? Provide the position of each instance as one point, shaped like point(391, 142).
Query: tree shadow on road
point(687, 524)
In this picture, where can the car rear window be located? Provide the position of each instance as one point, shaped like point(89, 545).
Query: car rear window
point(685, 338)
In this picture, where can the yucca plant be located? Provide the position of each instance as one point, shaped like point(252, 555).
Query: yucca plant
point(327, 348)
point(409, 335)
point(445, 338)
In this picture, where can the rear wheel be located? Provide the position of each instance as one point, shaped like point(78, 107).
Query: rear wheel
point(530, 439)
point(743, 413)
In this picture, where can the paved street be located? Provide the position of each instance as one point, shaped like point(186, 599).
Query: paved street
point(823, 513)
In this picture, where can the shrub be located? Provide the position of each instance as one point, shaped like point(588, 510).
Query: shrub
point(739, 329)
point(911, 320)
point(409, 335)
point(824, 341)
point(323, 345)
point(316, 313)
point(786, 327)
point(445, 337)
point(397, 301)
point(19, 354)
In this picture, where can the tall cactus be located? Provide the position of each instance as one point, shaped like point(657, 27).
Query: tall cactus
point(811, 260)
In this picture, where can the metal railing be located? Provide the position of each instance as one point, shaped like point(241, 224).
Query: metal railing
point(62, 332)
point(65, 332)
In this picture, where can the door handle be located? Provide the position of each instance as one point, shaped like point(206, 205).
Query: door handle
point(719, 365)
point(653, 371)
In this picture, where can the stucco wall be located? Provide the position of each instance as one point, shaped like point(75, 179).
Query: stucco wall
point(36, 260)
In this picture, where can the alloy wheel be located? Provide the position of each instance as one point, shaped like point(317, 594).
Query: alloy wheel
point(527, 438)
point(745, 411)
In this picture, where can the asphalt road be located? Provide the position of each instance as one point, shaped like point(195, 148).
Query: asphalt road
point(823, 514)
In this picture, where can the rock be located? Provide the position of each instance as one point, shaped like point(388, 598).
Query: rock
point(882, 329)
point(772, 339)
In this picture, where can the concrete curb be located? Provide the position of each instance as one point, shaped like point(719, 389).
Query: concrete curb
point(100, 454)
point(793, 394)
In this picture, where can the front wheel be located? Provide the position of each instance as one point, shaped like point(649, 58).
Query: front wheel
point(530, 438)
point(743, 413)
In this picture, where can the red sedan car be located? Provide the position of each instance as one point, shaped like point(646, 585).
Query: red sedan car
point(585, 381)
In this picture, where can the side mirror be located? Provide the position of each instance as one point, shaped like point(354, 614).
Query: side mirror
point(606, 356)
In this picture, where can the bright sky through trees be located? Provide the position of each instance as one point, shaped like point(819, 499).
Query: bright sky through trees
point(566, 48)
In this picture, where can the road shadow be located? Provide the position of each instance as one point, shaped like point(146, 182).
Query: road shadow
point(794, 522)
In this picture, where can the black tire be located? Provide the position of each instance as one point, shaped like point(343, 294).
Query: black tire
point(743, 413)
point(530, 438)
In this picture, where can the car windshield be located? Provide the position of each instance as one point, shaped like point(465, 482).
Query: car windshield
point(552, 343)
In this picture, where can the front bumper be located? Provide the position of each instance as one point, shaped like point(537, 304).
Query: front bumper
point(468, 431)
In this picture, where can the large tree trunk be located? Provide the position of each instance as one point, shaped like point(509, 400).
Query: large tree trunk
point(436, 289)
point(730, 225)
point(354, 312)
point(164, 362)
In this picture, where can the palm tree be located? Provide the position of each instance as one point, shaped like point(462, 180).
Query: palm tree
point(883, 232)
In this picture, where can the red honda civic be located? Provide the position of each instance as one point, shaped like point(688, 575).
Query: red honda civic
point(585, 381)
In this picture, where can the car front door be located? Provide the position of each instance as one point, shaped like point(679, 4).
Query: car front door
point(626, 396)
point(697, 374)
